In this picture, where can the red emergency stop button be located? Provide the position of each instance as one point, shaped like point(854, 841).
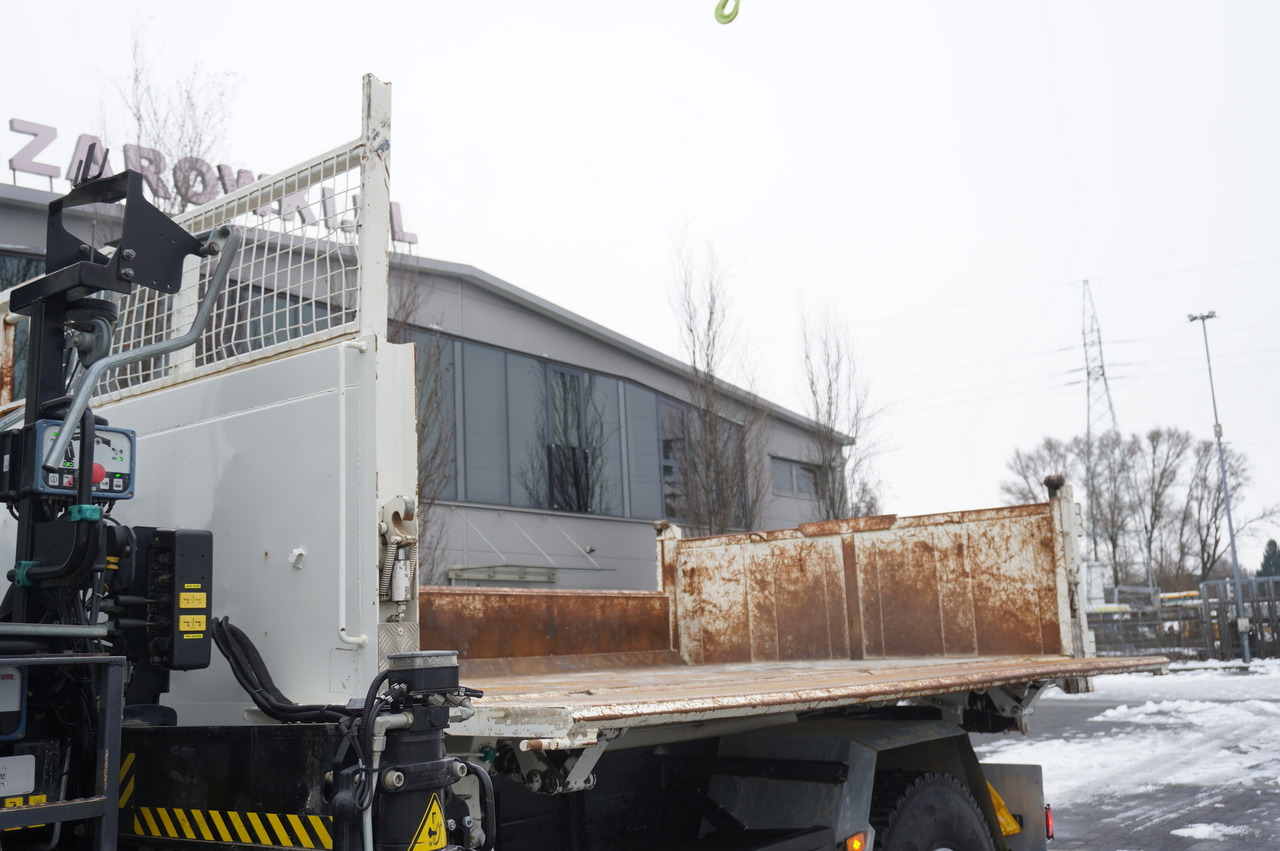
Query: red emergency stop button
point(99, 473)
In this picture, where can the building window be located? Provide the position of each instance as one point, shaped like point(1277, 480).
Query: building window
point(248, 317)
point(16, 268)
point(793, 477)
point(537, 434)
point(673, 420)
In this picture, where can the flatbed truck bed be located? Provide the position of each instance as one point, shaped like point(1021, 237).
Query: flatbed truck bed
point(570, 709)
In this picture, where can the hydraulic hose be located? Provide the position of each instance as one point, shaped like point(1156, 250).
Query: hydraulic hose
point(251, 672)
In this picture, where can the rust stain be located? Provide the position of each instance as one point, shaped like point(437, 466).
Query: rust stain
point(559, 706)
point(831, 560)
point(853, 602)
point(1006, 606)
point(955, 593)
point(869, 590)
point(909, 596)
point(6, 360)
point(845, 527)
point(762, 598)
point(498, 622)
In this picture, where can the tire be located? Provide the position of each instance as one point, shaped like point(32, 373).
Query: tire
point(920, 811)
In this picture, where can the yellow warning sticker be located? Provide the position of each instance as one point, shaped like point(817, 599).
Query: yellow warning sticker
point(431, 832)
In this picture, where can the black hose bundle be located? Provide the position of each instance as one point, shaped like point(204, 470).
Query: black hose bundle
point(251, 672)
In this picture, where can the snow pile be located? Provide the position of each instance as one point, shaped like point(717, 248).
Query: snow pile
point(1190, 680)
point(1210, 831)
point(1202, 726)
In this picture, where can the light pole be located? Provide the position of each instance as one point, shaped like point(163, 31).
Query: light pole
point(1242, 622)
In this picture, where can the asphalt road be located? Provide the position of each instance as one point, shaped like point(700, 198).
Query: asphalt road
point(1142, 820)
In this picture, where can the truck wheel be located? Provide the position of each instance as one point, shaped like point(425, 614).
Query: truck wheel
point(923, 811)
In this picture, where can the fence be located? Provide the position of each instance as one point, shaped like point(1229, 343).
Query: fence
point(1177, 630)
point(1195, 629)
point(1261, 598)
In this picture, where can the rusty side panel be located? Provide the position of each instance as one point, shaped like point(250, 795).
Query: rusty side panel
point(804, 615)
point(868, 548)
point(956, 584)
point(485, 623)
point(912, 620)
point(1046, 557)
point(1006, 589)
point(766, 585)
point(780, 598)
point(955, 593)
point(837, 608)
point(853, 602)
point(721, 596)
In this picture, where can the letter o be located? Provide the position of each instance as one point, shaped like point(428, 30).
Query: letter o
point(185, 174)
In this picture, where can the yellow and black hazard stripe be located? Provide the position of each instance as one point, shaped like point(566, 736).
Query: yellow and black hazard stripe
point(287, 830)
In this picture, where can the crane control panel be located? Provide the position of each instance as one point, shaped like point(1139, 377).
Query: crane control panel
point(113, 462)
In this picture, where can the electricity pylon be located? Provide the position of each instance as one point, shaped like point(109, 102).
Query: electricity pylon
point(1102, 435)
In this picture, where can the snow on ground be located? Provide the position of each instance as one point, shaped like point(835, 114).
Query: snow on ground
point(1193, 680)
point(1210, 831)
point(1203, 725)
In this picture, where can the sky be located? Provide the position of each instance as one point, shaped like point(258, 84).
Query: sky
point(941, 177)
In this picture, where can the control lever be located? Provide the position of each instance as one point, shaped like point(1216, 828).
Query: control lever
point(225, 241)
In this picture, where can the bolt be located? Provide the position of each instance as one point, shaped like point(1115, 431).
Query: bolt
point(393, 780)
point(459, 770)
point(129, 254)
point(84, 249)
point(126, 273)
point(215, 248)
point(468, 821)
point(451, 824)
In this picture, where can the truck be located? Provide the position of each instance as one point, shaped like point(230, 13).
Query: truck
point(211, 442)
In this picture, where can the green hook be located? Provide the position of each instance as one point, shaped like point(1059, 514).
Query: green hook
point(725, 17)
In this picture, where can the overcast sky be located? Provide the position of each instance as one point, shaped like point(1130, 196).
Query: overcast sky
point(943, 175)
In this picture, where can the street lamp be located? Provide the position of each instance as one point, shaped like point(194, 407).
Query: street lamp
point(1242, 622)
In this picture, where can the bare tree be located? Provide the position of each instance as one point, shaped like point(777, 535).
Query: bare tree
point(1112, 512)
point(718, 445)
point(1207, 509)
point(176, 125)
point(1160, 457)
point(841, 410)
point(566, 461)
point(433, 375)
point(1029, 469)
point(1174, 513)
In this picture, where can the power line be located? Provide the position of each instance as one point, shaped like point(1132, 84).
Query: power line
point(1185, 270)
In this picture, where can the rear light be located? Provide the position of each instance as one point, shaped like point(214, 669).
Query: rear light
point(857, 842)
point(1048, 822)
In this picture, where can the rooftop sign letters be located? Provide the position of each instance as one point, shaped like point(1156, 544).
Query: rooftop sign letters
point(194, 180)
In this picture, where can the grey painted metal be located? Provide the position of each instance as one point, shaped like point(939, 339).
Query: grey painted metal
point(1203, 319)
point(767, 803)
point(1021, 787)
point(53, 629)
